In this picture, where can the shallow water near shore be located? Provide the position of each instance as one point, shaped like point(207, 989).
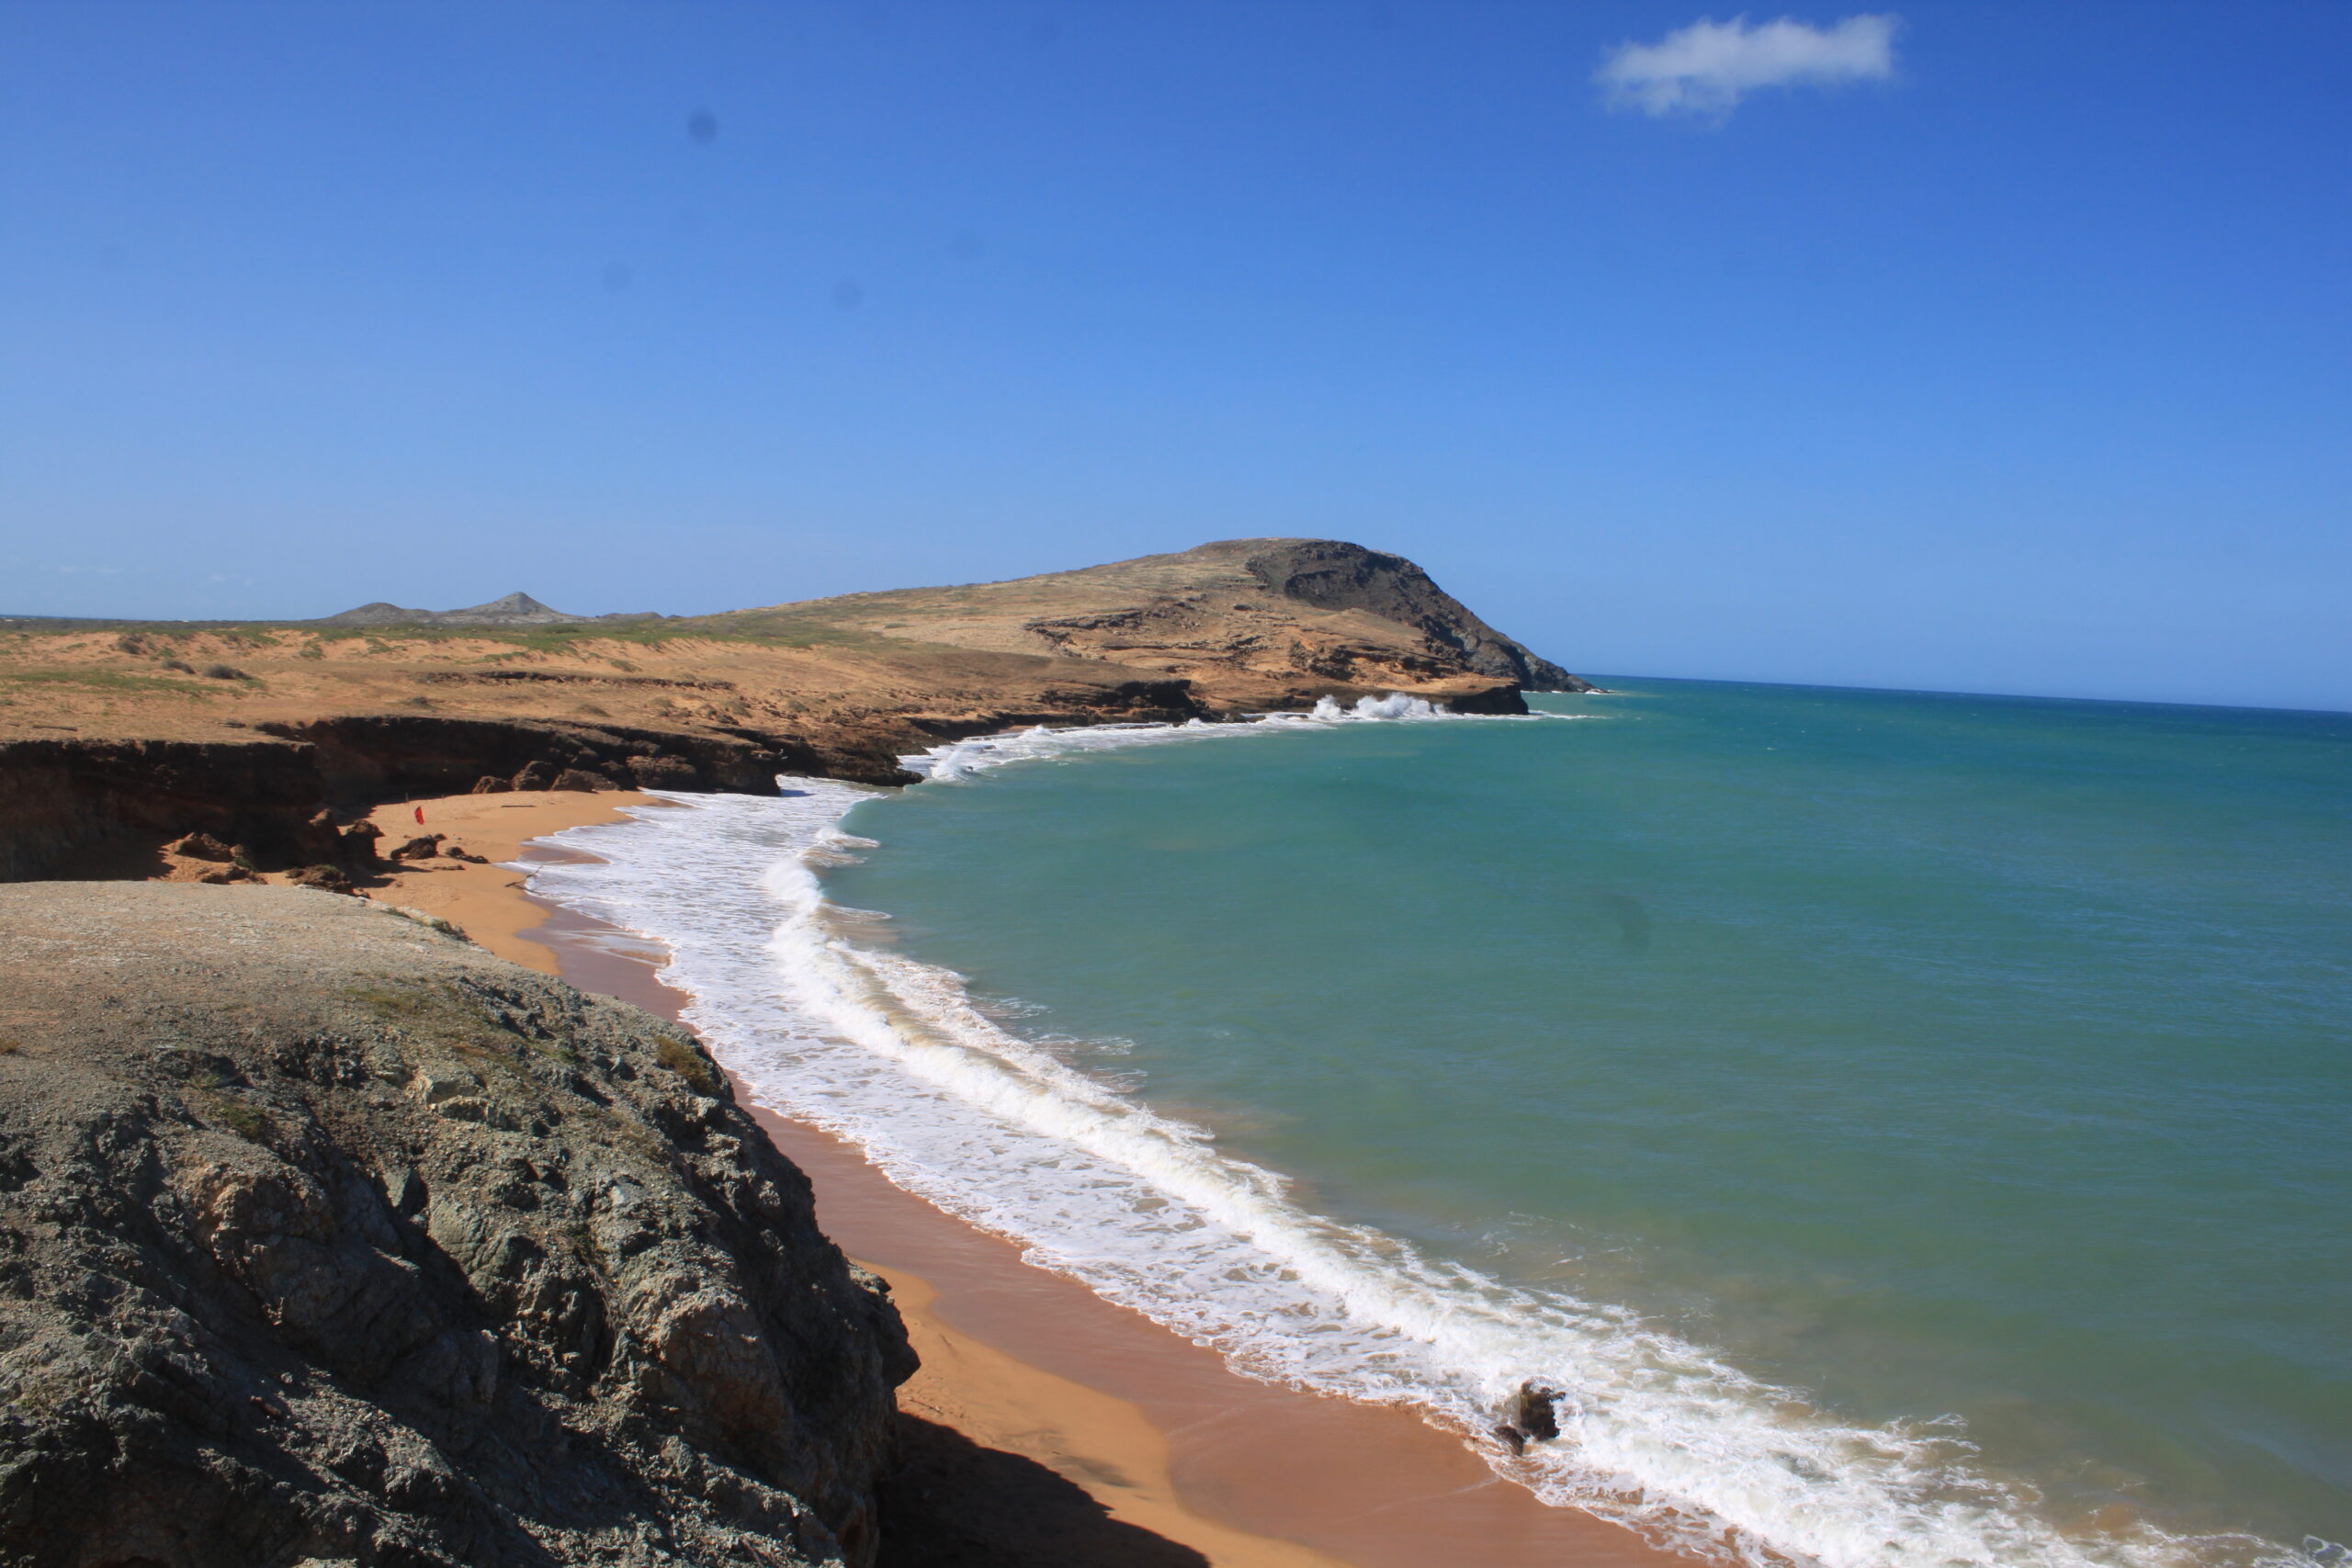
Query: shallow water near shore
point(1906, 1129)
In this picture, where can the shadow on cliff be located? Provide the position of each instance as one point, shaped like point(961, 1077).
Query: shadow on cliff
point(950, 1503)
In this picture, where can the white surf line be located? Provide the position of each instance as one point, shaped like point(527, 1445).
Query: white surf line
point(961, 759)
point(891, 1054)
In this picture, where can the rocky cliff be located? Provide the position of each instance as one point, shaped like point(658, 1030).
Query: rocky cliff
point(114, 737)
point(1330, 575)
point(326, 1237)
point(1247, 623)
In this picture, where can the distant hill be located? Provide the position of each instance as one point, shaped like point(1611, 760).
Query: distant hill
point(515, 610)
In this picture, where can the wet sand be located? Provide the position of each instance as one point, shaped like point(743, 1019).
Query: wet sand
point(1178, 1460)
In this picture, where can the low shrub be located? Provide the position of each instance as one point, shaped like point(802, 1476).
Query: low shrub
point(688, 1062)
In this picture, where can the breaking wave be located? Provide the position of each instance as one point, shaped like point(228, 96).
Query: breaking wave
point(962, 758)
point(892, 1053)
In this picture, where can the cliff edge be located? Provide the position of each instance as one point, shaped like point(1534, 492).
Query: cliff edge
point(330, 1238)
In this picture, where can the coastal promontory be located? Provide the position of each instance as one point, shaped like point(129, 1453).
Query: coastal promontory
point(118, 737)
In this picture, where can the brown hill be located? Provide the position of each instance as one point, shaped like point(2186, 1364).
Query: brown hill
point(1248, 620)
point(124, 734)
point(513, 610)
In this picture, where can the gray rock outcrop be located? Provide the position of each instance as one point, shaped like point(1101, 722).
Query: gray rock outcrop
point(1333, 574)
point(324, 1234)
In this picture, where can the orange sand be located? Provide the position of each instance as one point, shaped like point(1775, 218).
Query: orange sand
point(486, 901)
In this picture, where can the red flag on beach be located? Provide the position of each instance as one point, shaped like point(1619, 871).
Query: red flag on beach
point(420, 817)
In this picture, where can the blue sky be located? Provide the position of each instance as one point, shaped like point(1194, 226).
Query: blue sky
point(2020, 366)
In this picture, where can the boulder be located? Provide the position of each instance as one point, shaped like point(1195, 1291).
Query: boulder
point(202, 846)
point(1534, 1413)
point(664, 773)
point(355, 846)
point(581, 779)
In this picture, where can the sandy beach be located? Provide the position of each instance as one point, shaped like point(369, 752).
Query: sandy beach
point(1063, 1429)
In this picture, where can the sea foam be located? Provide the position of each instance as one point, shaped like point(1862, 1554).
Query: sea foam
point(893, 1055)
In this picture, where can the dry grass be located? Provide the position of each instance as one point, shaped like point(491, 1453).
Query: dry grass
point(688, 1063)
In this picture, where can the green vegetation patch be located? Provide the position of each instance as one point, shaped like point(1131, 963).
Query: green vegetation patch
point(108, 681)
point(244, 1121)
point(791, 627)
point(627, 1132)
point(56, 626)
point(775, 628)
point(239, 1118)
point(453, 1016)
point(688, 1063)
point(387, 1005)
point(556, 639)
point(756, 628)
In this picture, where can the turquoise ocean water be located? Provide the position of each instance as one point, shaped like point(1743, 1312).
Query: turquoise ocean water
point(1908, 1129)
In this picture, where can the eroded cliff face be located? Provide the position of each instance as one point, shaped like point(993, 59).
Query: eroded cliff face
point(60, 795)
point(327, 1235)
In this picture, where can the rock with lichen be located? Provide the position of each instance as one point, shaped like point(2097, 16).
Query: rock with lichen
point(326, 1236)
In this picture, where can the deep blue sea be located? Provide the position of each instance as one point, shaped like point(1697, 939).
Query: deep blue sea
point(1903, 1128)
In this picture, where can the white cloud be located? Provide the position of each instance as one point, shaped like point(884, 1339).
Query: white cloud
point(1709, 66)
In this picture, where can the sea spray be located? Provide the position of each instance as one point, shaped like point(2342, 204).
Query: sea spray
point(1144, 1208)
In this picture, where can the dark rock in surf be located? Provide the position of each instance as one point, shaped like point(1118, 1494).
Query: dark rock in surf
point(1503, 699)
point(1533, 1414)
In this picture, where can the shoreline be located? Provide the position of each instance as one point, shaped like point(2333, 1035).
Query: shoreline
point(1157, 1431)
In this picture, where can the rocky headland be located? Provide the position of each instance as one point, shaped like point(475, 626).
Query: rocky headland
point(116, 738)
point(331, 1238)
